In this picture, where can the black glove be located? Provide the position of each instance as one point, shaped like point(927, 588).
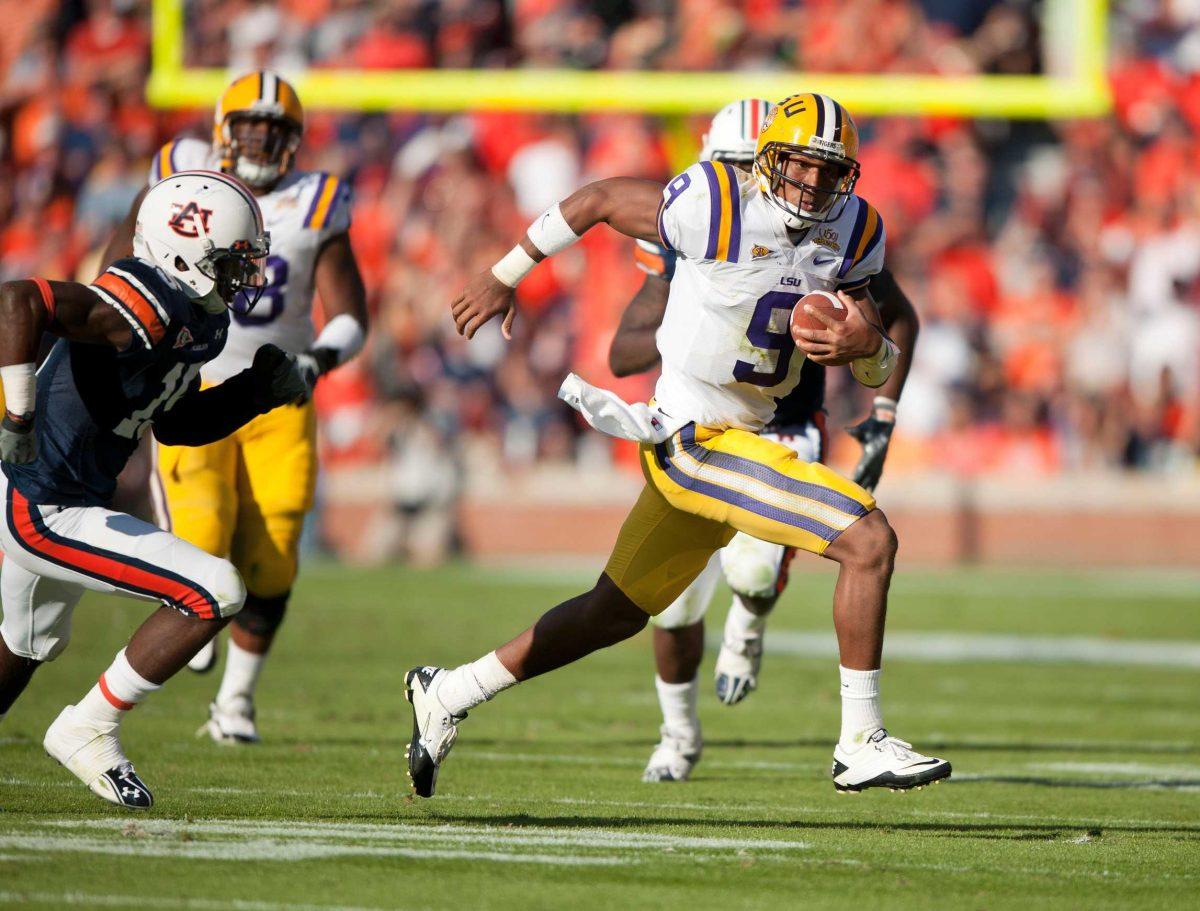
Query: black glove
point(314, 364)
point(277, 379)
point(18, 442)
point(874, 434)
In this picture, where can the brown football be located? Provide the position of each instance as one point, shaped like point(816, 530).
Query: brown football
point(825, 301)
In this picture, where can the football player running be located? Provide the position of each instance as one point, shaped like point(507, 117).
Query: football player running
point(756, 571)
point(128, 358)
point(246, 497)
point(727, 355)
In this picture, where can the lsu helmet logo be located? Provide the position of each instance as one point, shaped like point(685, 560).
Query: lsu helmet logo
point(183, 219)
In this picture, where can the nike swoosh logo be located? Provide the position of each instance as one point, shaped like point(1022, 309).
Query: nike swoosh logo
point(822, 262)
point(926, 762)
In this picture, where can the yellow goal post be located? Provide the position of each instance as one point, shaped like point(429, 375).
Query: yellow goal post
point(1074, 36)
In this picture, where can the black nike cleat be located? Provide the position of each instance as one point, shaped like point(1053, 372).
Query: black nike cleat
point(434, 728)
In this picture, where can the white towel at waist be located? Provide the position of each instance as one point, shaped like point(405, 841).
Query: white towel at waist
point(609, 413)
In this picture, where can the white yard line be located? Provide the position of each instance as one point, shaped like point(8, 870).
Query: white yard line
point(497, 837)
point(957, 647)
point(275, 850)
point(106, 900)
point(1121, 768)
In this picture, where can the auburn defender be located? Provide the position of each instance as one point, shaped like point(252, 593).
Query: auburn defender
point(746, 255)
point(131, 347)
point(756, 571)
point(246, 496)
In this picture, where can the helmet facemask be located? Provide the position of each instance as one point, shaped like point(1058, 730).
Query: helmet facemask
point(811, 203)
point(259, 150)
point(238, 270)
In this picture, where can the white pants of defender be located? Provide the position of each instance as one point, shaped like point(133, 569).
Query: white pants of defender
point(751, 567)
point(52, 554)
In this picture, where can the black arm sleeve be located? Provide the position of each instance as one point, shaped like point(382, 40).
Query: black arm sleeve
point(205, 416)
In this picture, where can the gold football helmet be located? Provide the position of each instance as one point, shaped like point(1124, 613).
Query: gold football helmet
point(257, 128)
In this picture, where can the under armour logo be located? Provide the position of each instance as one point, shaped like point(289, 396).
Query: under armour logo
point(183, 219)
point(129, 792)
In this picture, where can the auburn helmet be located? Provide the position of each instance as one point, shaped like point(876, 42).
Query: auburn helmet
point(258, 157)
point(733, 135)
point(205, 230)
point(812, 127)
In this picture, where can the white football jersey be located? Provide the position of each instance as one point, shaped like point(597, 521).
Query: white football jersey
point(727, 352)
point(304, 210)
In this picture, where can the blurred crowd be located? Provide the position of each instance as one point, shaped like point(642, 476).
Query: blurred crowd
point(1056, 267)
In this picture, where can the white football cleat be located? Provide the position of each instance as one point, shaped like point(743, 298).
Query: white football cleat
point(434, 728)
point(231, 722)
point(738, 664)
point(92, 753)
point(885, 761)
point(674, 757)
point(205, 659)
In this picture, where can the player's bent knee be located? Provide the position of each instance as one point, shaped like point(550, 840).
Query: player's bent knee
point(621, 617)
point(752, 567)
point(228, 589)
point(869, 544)
point(262, 616)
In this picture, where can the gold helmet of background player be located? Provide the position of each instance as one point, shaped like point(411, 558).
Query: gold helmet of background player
point(257, 128)
point(810, 129)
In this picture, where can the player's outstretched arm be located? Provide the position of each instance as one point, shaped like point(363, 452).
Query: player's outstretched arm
point(204, 416)
point(344, 301)
point(625, 204)
point(27, 310)
point(634, 348)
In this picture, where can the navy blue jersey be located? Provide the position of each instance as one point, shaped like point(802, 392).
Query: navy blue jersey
point(798, 407)
point(94, 402)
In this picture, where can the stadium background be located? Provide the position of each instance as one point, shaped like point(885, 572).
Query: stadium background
point(1052, 412)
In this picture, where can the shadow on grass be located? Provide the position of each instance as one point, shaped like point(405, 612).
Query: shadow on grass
point(1098, 784)
point(986, 830)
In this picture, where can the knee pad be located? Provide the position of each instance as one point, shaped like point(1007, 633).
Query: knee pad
point(262, 616)
point(225, 584)
point(752, 567)
point(690, 607)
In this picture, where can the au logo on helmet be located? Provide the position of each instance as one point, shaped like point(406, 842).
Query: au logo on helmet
point(183, 219)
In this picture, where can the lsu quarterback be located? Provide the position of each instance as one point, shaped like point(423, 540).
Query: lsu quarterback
point(756, 571)
point(247, 496)
point(728, 356)
point(128, 357)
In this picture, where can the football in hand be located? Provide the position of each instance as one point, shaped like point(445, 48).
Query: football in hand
point(825, 301)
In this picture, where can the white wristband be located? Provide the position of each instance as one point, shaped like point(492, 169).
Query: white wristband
point(515, 265)
point(20, 388)
point(550, 232)
point(874, 371)
point(343, 334)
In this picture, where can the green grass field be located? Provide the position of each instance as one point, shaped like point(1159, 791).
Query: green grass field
point(1076, 783)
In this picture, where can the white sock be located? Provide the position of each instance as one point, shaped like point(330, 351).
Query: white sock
point(241, 674)
point(678, 704)
point(861, 715)
point(469, 685)
point(742, 624)
point(118, 690)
